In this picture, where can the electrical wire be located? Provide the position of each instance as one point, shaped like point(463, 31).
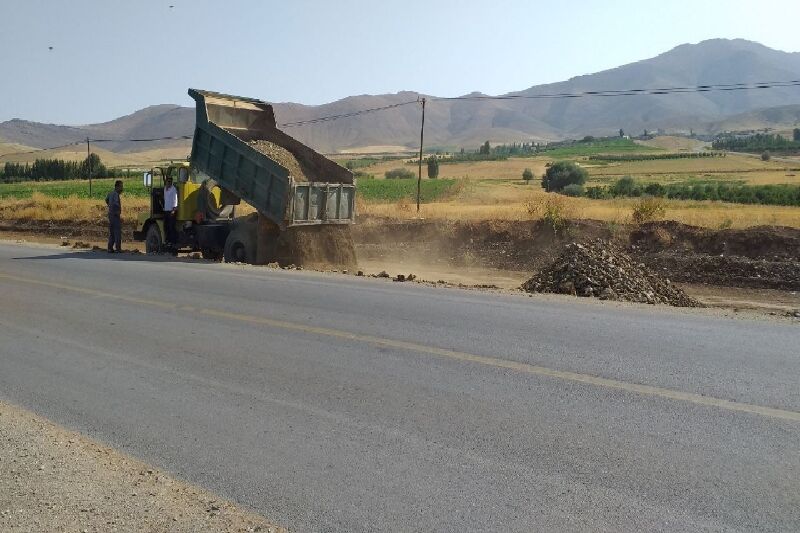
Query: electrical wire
point(612, 92)
point(178, 137)
point(344, 115)
point(44, 149)
point(83, 141)
point(632, 92)
point(584, 94)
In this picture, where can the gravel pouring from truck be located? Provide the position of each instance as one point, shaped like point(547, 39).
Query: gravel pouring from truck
point(225, 128)
point(238, 153)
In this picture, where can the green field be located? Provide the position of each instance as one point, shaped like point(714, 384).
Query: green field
point(581, 149)
point(368, 189)
point(64, 189)
point(394, 190)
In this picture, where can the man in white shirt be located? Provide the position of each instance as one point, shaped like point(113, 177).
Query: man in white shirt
point(170, 210)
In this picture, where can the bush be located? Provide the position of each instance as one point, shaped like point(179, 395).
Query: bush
point(625, 186)
point(765, 156)
point(527, 175)
point(433, 167)
point(574, 190)
point(561, 174)
point(399, 174)
point(552, 209)
point(655, 189)
point(648, 209)
point(597, 192)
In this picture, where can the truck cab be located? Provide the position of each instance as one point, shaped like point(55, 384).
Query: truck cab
point(204, 217)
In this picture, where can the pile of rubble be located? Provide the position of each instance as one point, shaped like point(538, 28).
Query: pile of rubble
point(603, 270)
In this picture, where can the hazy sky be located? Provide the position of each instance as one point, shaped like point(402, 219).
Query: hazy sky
point(112, 57)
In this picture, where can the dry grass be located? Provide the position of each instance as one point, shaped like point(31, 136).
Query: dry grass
point(674, 144)
point(748, 169)
point(478, 200)
point(521, 207)
point(42, 207)
point(707, 214)
point(730, 163)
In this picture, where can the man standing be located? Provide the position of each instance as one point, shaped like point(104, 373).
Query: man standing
point(114, 218)
point(170, 209)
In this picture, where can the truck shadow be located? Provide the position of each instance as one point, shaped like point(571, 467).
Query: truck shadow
point(127, 257)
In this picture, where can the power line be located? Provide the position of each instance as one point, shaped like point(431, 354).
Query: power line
point(344, 115)
point(44, 149)
point(178, 137)
point(611, 92)
point(173, 138)
point(633, 92)
point(584, 94)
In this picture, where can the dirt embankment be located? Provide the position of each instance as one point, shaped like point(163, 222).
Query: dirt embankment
point(759, 257)
point(766, 257)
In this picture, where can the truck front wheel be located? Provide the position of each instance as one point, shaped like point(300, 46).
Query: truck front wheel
point(153, 243)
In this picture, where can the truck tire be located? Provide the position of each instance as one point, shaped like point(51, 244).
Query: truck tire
point(240, 246)
point(153, 242)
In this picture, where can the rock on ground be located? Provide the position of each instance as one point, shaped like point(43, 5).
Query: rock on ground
point(603, 270)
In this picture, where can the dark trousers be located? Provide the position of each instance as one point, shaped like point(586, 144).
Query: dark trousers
point(114, 233)
point(169, 228)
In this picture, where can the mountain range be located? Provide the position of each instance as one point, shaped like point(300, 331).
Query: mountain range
point(455, 123)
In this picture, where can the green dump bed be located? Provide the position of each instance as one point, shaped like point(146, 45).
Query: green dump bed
point(225, 125)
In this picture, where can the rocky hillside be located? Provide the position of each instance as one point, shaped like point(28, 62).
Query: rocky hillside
point(469, 122)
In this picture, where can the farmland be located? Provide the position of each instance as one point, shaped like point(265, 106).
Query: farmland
point(480, 190)
point(66, 189)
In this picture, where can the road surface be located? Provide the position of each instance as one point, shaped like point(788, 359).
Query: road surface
point(335, 403)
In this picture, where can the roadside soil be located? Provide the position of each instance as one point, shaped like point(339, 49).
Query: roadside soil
point(754, 268)
point(54, 479)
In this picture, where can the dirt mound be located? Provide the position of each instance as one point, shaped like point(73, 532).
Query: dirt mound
point(601, 269)
point(323, 247)
point(730, 271)
point(283, 157)
point(766, 242)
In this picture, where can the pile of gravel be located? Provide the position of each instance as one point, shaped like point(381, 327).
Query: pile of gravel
point(603, 270)
point(283, 157)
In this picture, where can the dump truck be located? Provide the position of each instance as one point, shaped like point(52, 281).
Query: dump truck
point(239, 154)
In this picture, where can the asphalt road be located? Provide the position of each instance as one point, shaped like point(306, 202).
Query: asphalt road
point(335, 403)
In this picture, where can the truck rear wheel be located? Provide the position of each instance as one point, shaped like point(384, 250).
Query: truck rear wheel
point(153, 243)
point(240, 246)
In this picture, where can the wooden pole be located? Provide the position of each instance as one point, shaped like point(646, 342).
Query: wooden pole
point(89, 163)
point(421, 141)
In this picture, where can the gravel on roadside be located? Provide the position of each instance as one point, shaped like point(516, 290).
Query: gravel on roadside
point(54, 479)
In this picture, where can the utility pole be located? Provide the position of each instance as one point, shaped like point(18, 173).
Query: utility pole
point(89, 164)
point(421, 140)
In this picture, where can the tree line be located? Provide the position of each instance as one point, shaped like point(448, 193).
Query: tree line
point(654, 156)
point(759, 142)
point(737, 193)
point(57, 170)
point(565, 177)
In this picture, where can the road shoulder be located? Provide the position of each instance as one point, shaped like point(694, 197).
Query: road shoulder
point(54, 479)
